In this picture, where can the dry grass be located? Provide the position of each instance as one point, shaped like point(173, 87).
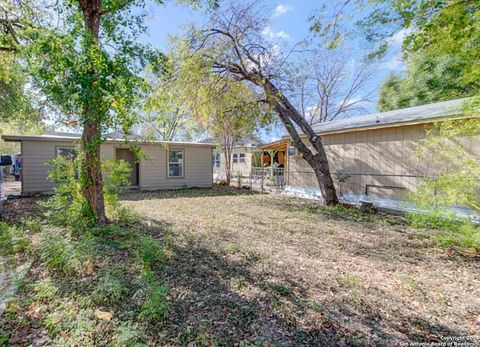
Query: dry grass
point(253, 268)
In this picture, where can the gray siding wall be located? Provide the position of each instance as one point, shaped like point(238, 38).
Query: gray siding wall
point(36, 154)
point(153, 170)
point(384, 159)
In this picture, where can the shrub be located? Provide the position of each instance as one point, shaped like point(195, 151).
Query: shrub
point(111, 287)
point(453, 231)
point(128, 335)
point(156, 306)
point(44, 290)
point(68, 207)
point(13, 239)
point(58, 253)
point(150, 251)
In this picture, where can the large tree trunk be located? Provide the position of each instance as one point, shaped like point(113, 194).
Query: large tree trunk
point(92, 180)
point(318, 161)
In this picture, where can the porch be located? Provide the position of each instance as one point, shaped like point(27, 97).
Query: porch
point(268, 171)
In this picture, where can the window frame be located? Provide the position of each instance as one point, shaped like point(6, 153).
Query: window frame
point(235, 158)
point(217, 160)
point(182, 163)
point(58, 148)
point(241, 158)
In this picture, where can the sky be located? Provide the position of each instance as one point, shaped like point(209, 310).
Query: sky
point(288, 23)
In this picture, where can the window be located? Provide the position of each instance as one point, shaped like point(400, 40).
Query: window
point(292, 151)
point(238, 158)
point(216, 160)
point(175, 163)
point(70, 153)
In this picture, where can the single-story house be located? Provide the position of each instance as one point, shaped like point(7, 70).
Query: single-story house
point(245, 154)
point(165, 165)
point(375, 153)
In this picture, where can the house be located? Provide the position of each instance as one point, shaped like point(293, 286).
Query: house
point(375, 154)
point(165, 165)
point(245, 155)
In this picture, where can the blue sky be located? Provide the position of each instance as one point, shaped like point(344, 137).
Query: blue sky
point(288, 22)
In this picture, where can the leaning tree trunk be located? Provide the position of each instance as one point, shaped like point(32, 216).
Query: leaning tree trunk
point(318, 161)
point(92, 180)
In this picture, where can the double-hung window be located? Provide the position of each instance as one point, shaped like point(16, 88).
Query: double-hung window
point(175, 163)
point(216, 159)
point(238, 158)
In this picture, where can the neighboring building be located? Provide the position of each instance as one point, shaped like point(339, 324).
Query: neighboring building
point(166, 164)
point(376, 152)
point(243, 157)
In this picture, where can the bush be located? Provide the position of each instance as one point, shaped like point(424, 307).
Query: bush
point(44, 290)
point(150, 251)
point(58, 253)
point(128, 335)
point(68, 207)
point(111, 287)
point(13, 239)
point(453, 231)
point(156, 306)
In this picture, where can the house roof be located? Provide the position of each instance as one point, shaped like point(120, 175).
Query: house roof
point(76, 138)
point(411, 115)
point(250, 140)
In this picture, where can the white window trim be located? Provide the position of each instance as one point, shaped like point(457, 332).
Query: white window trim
point(182, 162)
point(241, 158)
point(217, 162)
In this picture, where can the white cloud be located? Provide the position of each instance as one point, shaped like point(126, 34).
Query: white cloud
point(268, 33)
point(281, 9)
point(395, 63)
point(398, 37)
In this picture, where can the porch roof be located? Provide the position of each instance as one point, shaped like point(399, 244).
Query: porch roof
point(279, 145)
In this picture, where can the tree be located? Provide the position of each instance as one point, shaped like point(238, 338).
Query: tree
point(391, 94)
point(167, 113)
point(330, 85)
point(233, 45)
point(19, 103)
point(229, 111)
point(440, 47)
point(88, 66)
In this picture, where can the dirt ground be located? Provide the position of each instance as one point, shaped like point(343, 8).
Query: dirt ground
point(10, 187)
point(250, 269)
point(269, 268)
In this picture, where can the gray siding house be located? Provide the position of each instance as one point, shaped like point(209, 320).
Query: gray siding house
point(166, 165)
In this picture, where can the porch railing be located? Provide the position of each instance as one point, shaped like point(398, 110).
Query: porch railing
point(268, 177)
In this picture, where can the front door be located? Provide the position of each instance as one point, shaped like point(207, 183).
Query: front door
point(127, 155)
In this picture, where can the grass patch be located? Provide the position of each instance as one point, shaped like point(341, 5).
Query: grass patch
point(452, 231)
point(150, 251)
point(13, 240)
point(156, 306)
point(112, 287)
point(107, 269)
point(342, 212)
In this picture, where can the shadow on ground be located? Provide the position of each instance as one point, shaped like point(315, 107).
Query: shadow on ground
point(222, 299)
point(186, 193)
